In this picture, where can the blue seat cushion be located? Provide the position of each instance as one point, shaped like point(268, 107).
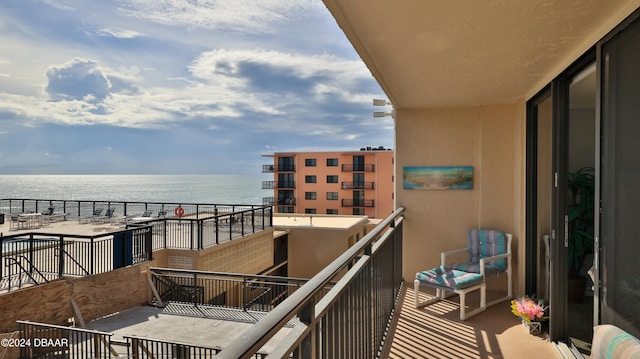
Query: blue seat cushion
point(489, 269)
point(448, 278)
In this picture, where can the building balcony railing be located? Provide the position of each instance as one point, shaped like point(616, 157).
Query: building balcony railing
point(273, 168)
point(286, 201)
point(363, 302)
point(357, 203)
point(357, 185)
point(358, 168)
point(277, 184)
point(268, 201)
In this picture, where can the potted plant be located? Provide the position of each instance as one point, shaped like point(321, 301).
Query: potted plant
point(580, 226)
point(532, 312)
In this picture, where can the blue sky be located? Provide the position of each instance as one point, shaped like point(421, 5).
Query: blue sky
point(177, 86)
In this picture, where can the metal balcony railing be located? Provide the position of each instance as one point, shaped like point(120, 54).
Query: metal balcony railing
point(273, 168)
point(352, 319)
point(358, 203)
point(357, 185)
point(41, 257)
point(268, 168)
point(358, 168)
point(41, 340)
point(278, 184)
point(286, 202)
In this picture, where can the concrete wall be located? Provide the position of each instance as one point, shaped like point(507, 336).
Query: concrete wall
point(489, 138)
point(312, 249)
point(251, 254)
point(97, 295)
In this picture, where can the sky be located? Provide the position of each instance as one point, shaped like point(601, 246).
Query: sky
point(177, 86)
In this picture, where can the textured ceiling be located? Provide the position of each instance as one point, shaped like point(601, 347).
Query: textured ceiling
point(442, 53)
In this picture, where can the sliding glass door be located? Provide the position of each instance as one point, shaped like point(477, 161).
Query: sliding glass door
point(619, 173)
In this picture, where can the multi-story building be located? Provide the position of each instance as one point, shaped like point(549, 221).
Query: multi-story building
point(341, 182)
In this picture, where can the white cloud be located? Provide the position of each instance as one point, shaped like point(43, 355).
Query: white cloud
point(225, 62)
point(84, 92)
point(239, 15)
point(119, 33)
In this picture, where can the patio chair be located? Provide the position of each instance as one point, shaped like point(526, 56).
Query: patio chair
point(489, 253)
point(49, 211)
point(96, 213)
point(104, 218)
point(147, 213)
point(17, 222)
point(162, 213)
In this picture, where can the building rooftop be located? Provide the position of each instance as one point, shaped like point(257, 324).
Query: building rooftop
point(281, 221)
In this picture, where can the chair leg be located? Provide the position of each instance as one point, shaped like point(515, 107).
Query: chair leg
point(464, 315)
point(416, 293)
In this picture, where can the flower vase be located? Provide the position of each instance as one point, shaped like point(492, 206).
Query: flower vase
point(534, 328)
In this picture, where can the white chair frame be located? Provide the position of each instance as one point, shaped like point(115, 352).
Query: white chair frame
point(440, 291)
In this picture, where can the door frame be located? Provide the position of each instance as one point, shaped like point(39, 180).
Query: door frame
point(558, 90)
point(531, 217)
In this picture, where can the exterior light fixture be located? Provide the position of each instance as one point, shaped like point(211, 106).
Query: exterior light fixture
point(379, 102)
point(382, 114)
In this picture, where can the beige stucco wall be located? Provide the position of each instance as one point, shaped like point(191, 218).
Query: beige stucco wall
point(250, 254)
point(312, 249)
point(489, 138)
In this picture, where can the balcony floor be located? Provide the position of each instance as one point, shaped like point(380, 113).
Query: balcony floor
point(436, 331)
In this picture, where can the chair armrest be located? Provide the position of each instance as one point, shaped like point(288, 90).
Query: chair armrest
point(444, 255)
point(497, 256)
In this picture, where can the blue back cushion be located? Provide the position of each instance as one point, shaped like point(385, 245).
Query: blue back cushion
point(486, 243)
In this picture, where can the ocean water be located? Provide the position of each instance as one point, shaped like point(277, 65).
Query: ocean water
point(212, 189)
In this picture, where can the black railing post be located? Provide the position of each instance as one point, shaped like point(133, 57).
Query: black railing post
point(31, 254)
point(195, 290)
point(242, 223)
point(149, 242)
point(253, 219)
point(200, 233)
point(61, 257)
point(92, 254)
point(164, 231)
point(190, 233)
point(244, 293)
point(215, 211)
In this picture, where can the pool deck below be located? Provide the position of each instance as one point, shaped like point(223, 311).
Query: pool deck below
point(69, 226)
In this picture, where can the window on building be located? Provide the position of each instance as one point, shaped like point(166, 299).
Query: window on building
point(332, 196)
point(310, 195)
point(332, 162)
point(358, 163)
point(310, 179)
point(285, 209)
point(310, 210)
point(286, 164)
point(310, 162)
point(332, 179)
point(332, 211)
point(358, 211)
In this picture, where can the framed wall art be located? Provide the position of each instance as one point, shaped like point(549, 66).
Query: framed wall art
point(437, 177)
